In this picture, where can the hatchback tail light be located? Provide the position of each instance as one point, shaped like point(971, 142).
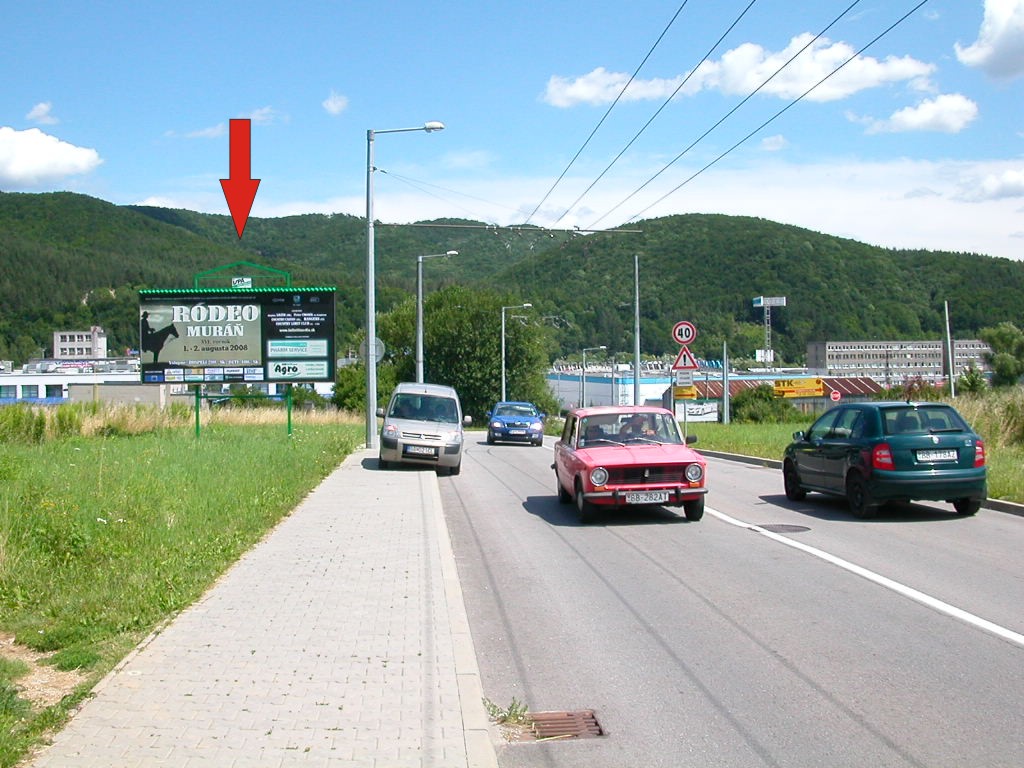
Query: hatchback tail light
point(881, 457)
point(979, 453)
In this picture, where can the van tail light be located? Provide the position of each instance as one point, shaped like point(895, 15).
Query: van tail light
point(979, 453)
point(881, 457)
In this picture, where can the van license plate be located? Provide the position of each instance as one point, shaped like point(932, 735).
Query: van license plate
point(646, 497)
point(949, 455)
point(420, 450)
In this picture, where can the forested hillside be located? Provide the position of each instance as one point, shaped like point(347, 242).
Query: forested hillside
point(71, 261)
point(708, 268)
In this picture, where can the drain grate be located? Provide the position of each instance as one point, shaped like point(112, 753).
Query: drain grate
point(784, 528)
point(545, 726)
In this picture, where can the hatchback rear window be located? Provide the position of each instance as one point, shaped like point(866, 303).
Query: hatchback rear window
point(908, 421)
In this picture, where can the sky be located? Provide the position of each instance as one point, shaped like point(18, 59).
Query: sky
point(898, 123)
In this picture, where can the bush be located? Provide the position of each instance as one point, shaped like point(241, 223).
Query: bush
point(760, 405)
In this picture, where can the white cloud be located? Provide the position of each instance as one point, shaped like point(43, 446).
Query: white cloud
point(265, 116)
point(774, 143)
point(40, 113)
point(999, 49)
point(32, 158)
point(949, 113)
point(748, 66)
point(468, 160)
point(335, 104)
point(940, 205)
point(1007, 183)
point(743, 69)
point(601, 87)
point(213, 132)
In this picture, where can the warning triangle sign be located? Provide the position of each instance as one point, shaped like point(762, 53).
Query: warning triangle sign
point(685, 361)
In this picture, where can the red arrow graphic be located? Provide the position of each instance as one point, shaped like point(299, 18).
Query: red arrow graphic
point(240, 189)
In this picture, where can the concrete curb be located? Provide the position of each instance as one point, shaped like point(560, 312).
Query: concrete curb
point(998, 505)
point(480, 752)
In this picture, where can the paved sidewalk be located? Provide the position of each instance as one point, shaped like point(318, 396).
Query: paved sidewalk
point(340, 640)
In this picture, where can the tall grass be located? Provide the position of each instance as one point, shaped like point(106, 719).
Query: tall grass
point(119, 518)
point(997, 415)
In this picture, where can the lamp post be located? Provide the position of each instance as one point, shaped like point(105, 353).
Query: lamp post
point(514, 306)
point(636, 329)
point(583, 378)
point(419, 309)
point(371, 295)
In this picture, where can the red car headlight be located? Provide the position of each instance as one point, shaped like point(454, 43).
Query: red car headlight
point(599, 476)
point(694, 473)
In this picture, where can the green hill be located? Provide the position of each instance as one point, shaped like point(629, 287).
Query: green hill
point(708, 269)
point(71, 261)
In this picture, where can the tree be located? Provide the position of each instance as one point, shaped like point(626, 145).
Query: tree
point(350, 386)
point(1007, 357)
point(972, 381)
point(462, 348)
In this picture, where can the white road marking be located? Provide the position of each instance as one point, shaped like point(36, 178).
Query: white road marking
point(895, 586)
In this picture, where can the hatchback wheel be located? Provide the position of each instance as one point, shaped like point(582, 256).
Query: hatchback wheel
point(967, 506)
point(791, 480)
point(858, 497)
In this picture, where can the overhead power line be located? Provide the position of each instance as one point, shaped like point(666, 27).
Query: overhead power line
point(732, 111)
point(779, 113)
point(607, 112)
point(667, 101)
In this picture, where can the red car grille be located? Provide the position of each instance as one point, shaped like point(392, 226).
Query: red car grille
point(673, 473)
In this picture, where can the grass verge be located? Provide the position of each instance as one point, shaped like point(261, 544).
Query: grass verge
point(103, 538)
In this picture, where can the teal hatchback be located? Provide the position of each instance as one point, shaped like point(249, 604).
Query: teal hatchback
point(873, 453)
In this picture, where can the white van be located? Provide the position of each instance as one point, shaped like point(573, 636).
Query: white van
point(423, 425)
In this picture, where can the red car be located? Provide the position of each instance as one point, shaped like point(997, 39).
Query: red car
point(613, 457)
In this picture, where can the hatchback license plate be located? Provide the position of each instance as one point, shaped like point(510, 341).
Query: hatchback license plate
point(646, 497)
point(421, 450)
point(948, 455)
point(517, 431)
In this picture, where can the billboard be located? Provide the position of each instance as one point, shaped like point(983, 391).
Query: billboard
point(228, 335)
point(799, 388)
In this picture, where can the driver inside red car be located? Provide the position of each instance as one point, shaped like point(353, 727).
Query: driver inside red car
point(637, 426)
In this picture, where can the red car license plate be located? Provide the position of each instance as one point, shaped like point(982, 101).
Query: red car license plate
point(646, 497)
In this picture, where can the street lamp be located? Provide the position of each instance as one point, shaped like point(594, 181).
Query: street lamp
point(371, 296)
point(636, 329)
point(514, 306)
point(419, 309)
point(583, 378)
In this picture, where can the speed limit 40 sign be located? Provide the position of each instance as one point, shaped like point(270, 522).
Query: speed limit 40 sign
point(684, 332)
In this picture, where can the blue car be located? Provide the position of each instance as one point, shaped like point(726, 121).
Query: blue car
point(515, 422)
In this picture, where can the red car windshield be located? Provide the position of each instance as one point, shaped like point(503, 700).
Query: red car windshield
point(629, 427)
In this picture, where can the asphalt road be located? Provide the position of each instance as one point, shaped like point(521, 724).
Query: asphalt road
point(771, 633)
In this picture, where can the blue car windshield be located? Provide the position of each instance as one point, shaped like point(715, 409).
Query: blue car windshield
point(515, 410)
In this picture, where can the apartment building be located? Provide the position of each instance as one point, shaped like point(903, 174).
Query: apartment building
point(80, 345)
point(892, 363)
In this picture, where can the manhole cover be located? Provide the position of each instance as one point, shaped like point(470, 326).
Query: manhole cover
point(547, 726)
point(784, 528)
